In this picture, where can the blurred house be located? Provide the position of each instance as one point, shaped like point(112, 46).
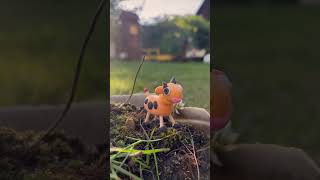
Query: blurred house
point(204, 10)
point(128, 45)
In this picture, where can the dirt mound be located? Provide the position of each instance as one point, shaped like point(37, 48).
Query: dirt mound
point(58, 157)
point(178, 163)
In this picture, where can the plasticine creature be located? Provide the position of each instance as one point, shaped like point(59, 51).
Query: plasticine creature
point(162, 104)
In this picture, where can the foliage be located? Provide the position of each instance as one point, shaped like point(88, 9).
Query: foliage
point(114, 6)
point(170, 33)
point(114, 15)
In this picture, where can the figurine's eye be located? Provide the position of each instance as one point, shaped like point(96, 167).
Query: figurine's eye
point(166, 91)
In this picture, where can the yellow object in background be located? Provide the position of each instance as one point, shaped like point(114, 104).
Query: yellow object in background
point(153, 54)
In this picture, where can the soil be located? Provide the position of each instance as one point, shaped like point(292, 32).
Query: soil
point(58, 157)
point(179, 162)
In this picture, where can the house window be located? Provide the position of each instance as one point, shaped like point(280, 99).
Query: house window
point(134, 29)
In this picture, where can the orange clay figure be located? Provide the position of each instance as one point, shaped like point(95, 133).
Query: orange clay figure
point(162, 104)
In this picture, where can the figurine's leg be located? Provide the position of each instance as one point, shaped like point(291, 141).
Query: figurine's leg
point(162, 127)
point(161, 121)
point(147, 117)
point(146, 122)
point(173, 122)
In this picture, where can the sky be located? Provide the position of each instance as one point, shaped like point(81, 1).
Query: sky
point(154, 8)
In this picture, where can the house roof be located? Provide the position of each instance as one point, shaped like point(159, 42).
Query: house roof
point(204, 9)
point(127, 15)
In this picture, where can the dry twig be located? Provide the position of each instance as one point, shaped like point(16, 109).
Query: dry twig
point(194, 155)
point(134, 82)
point(77, 75)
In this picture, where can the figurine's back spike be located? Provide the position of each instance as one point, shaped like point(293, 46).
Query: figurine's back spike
point(146, 91)
point(173, 80)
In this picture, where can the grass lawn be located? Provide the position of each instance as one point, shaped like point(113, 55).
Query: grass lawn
point(272, 57)
point(194, 77)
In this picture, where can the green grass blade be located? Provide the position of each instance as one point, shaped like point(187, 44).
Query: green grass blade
point(125, 172)
point(146, 152)
point(156, 163)
point(129, 146)
point(141, 163)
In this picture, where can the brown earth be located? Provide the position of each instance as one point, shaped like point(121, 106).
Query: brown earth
point(58, 157)
point(178, 163)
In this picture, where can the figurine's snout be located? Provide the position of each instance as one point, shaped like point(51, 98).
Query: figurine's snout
point(176, 100)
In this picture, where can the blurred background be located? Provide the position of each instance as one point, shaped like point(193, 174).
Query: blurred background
point(39, 45)
point(174, 36)
point(270, 51)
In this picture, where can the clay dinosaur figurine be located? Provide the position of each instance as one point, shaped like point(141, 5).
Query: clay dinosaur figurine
point(162, 103)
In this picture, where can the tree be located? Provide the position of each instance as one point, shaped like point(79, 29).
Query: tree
point(114, 15)
point(171, 33)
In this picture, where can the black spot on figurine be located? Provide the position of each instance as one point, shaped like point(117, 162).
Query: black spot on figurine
point(146, 101)
point(150, 105)
point(166, 91)
point(155, 105)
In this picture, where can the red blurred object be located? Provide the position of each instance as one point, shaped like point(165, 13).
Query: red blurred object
point(221, 103)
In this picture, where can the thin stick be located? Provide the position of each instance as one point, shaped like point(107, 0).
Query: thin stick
point(134, 82)
point(77, 75)
point(203, 149)
point(187, 148)
point(194, 155)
